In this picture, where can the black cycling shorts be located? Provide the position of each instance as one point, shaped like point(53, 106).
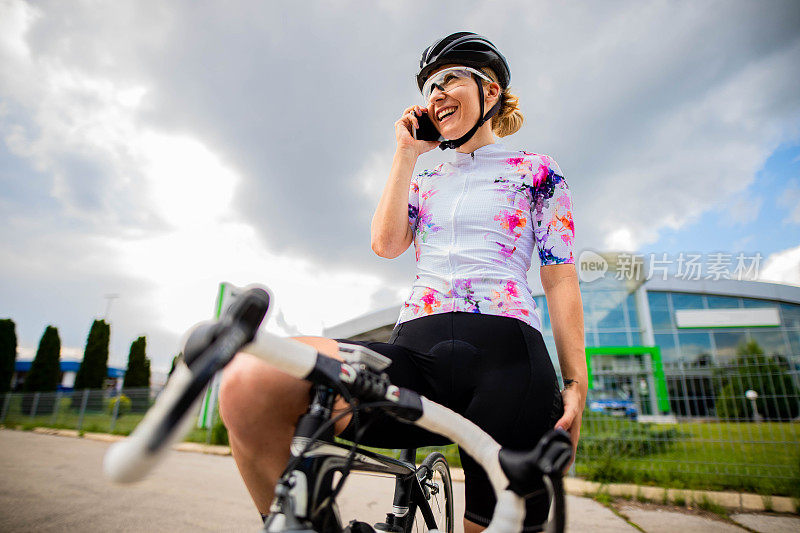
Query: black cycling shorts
point(493, 370)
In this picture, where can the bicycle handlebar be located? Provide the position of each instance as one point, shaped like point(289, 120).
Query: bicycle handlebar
point(170, 417)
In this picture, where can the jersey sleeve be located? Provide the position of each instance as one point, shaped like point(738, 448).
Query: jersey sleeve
point(413, 203)
point(551, 212)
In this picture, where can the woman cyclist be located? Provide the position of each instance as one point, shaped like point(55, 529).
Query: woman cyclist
point(468, 336)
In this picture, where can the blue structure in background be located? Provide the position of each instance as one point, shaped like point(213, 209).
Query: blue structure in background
point(68, 371)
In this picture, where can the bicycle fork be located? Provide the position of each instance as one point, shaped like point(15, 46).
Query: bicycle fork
point(293, 493)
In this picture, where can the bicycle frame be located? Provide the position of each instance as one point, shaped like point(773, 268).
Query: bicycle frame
point(309, 484)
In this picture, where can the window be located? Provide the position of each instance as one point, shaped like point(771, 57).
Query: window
point(722, 302)
point(541, 305)
point(771, 341)
point(794, 343)
point(659, 311)
point(611, 316)
point(633, 318)
point(727, 342)
point(613, 339)
point(694, 344)
point(754, 302)
point(685, 300)
point(669, 352)
point(790, 316)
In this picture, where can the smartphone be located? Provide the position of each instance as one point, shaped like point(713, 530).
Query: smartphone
point(427, 131)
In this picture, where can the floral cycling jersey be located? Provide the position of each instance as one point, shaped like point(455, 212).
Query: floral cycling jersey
point(475, 223)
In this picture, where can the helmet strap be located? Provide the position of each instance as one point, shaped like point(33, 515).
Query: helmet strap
point(444, 145)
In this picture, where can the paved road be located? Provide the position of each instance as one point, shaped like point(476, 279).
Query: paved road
point(51, 483)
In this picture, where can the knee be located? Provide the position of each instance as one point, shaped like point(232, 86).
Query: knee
point(254, 394)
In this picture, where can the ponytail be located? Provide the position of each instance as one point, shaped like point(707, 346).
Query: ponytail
point(509, 119)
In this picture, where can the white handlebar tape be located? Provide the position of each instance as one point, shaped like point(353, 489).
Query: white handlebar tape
point(290, 356)
point(510, 509)
point(509, 513)
point(129, 460)
point(474, 440)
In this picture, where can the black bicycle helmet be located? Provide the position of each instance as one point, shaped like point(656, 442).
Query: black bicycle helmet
point(470, 50)
point(464, 48)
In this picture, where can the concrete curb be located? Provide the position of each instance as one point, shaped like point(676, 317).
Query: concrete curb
point(738, 501)
point(193, 447)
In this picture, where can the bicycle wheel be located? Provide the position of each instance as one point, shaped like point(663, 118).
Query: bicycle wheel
point(438, 489)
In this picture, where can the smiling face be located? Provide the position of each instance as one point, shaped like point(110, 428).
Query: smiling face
point(456, 110)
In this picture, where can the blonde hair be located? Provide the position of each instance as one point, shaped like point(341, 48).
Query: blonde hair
point(509, 119)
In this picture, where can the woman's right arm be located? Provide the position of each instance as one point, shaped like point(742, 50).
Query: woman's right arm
point(391, 233)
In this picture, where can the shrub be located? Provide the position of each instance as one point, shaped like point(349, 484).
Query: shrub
point(769, 376)
point(219, 433)
point(628, 439)
point(124, 405)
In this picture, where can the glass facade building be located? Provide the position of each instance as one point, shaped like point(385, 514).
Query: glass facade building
point(659, 342)
point(613, 320)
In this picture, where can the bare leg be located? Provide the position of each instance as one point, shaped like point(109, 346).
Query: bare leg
point(260, 406)
point(472, 527)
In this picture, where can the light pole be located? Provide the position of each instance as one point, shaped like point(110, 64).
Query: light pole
point(752, 396)
point(110, 298)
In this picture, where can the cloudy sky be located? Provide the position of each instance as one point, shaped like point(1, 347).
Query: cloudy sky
point(153, 149)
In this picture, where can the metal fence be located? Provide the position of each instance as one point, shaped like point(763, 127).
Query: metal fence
point(727, 427)
point(104, 411)
point(101, 411)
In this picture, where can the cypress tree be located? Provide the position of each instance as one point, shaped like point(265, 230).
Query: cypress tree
point(45, 374)
point(8, 353)
point(137, 376)
point(45, 371)
point(94, 367)
point(138, 372)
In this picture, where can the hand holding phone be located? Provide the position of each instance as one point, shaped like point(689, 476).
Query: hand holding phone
point(427, 131)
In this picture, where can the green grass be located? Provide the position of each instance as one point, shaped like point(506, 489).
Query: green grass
point(762, 458)
point(707, 505)
point(450, 452)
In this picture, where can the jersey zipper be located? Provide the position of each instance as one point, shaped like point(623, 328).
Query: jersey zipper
point(453, 225)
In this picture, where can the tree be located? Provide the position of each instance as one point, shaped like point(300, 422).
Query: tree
point(8, 353)
point(94, 367)
point(138, 375)
point(138, 372)
point(45, 373)
point(769, 376)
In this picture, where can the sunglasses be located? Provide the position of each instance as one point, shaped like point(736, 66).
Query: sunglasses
point(450, 78)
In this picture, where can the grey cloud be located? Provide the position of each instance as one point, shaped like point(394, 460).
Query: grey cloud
point(655, 112)
point(296, 96)
point(632, 100)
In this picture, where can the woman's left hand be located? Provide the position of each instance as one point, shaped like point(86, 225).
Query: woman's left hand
point(571, 420)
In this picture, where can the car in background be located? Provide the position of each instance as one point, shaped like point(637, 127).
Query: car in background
point(612, 402)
